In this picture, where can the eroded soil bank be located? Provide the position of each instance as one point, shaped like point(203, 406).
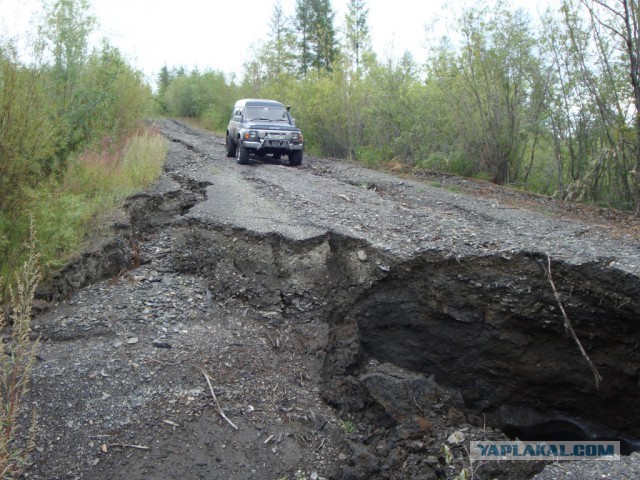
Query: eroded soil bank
point(350, 321)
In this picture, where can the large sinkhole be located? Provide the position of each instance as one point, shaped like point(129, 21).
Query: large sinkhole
point(491, 328)
point(488, 327)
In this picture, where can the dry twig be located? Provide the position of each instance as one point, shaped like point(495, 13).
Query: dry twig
point(567, 324)
point(344, 197)
point(215, 399)
point(126, 445)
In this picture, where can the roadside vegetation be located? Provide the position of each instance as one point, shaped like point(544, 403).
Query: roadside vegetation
point(547, 104)
point(72, 141)
point(17, 356)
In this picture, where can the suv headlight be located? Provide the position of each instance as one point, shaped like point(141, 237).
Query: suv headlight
point(296, 137)
point(251, 135)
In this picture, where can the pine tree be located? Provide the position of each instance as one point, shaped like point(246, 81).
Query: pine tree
point(317, 47)
point(357, 39)
point(277, 55)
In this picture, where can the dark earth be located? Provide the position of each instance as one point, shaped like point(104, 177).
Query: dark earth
point(351, 323)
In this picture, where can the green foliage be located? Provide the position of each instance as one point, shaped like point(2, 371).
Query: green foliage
point(27, 131)
point(596, 129)
point(348, 427)
point(276, 56)
point(27, 140)
point(206, 95)
point(64, 210)
point(65, 33)
point(357, 38)
point(494, 90)
point(317, 46)
point(320, 113)
point(374, 156)
point(51, 115)
point(112, 96)
point(453, 162)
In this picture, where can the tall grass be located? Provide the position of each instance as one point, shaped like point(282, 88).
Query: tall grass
point(17, 357)
point(111, 171)
point(65, 210)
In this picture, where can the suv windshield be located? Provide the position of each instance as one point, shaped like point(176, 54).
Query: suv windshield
point(266, 113)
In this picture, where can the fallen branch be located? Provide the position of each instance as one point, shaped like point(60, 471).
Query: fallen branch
point(215, 399)
point(567, 324)
point(344, 197)
point(126, 445)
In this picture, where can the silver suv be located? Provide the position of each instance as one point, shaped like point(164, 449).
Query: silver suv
point(263, 127)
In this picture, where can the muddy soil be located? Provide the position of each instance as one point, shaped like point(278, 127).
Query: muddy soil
point(329, 321)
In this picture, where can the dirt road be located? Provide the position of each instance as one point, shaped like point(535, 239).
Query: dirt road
point(348, 321)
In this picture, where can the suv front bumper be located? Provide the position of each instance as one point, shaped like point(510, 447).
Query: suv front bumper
point(269, 144)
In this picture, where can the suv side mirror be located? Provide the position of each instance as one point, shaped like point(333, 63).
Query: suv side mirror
point(288, 108)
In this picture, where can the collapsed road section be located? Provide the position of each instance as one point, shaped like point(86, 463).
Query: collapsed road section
point(430, 280)
point(435, 282)
point(437, 307)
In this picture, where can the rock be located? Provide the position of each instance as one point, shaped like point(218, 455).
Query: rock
point(402, 394)
point(456, 438)
point(161, 344)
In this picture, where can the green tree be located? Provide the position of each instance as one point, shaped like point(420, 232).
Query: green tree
point(595, 139)
point(357, 38)
point(392, 110)
point(66, 31)
point(205, 95)
point(27, 140)
point(277, 55)
point(26, 129)
point(323, 36)
point(163, 80)
point(317, 45)
point(614, 25)
point(304, 18)
point(499, 91)
point(112, 97)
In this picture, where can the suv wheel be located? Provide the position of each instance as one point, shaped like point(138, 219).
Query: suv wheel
point(242, 154)
point(295, 157)
point(231, 148)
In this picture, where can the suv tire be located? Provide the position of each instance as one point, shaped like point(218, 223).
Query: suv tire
point(231, 148)
point(295, 158)
point(242, 154)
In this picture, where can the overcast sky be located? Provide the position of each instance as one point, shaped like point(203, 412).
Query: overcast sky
point(219, 34)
